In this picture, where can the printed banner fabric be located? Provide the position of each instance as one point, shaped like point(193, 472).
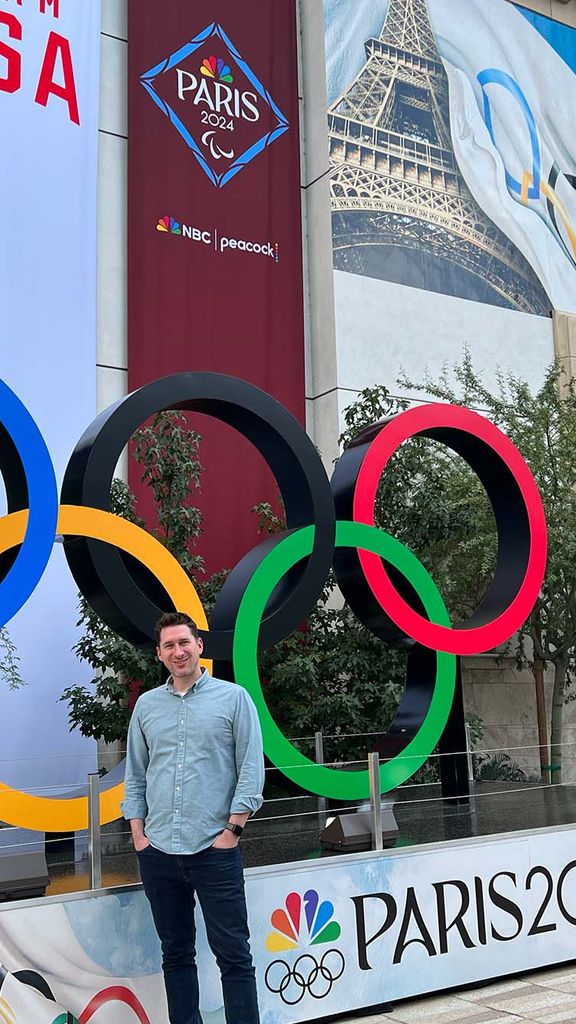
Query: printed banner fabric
point(49, 89)
point(215, 246)
point(327, 936)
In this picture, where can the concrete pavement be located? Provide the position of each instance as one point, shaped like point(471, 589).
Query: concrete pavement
point(546, 997)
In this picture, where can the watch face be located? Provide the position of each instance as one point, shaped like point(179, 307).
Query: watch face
point(237, 830)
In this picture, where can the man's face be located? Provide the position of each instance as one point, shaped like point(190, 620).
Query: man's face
point(180, 652)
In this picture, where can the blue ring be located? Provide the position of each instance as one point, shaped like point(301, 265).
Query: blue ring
point(32, 559)
point(496, 77)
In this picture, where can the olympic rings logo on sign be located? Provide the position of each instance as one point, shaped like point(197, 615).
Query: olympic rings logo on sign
point(119, 568)
point(315, 979)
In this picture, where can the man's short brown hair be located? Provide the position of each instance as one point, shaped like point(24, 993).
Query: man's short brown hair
point(175, 619)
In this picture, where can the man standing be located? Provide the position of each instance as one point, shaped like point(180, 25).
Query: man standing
point(194, 774)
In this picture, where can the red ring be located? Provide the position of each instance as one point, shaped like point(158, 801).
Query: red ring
point(444, 638)
point(115, 994)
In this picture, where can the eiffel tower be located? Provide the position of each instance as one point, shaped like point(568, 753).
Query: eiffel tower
point(401, 208)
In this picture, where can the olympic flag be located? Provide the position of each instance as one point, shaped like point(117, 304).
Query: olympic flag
point(49, 77)
point(511, 103)
point(511, 98)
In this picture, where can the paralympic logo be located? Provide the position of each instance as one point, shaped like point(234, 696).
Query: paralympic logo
point(303, 922)
point(118, 567)
point(532, 186)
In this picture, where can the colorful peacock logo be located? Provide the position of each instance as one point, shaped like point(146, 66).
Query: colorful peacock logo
point(170, 225)
point(215, 67)
point(303, 921)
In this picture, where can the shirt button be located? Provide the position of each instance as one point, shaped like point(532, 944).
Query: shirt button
point(179, 766)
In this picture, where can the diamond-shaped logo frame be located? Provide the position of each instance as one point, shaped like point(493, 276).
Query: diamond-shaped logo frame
point(148, 78)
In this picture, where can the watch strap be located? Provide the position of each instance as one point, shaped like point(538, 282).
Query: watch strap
point(236, 830)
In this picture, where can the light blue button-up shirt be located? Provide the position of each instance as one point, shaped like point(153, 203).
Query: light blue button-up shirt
point(193, 759)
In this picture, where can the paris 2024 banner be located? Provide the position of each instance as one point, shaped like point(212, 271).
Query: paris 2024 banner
point(453, 172)
point(215, 276)
point(328, 936)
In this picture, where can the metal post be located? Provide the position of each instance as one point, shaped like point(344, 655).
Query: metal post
point(375, 800)
point(319, 755)
point(94, 833)
point(469, 753)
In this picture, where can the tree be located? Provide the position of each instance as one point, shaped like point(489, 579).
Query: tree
point(334, 674)
point(167, 451)
point(9, 661)
point(542, 425)
point(431, 500)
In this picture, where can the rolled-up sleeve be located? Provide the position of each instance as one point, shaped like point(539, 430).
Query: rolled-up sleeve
point(249, 757)
point(137, 757)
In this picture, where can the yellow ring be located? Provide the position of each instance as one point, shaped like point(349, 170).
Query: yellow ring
point(6, 1012)
point(58, 814)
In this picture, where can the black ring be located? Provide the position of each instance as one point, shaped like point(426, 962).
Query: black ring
point(15, 484)
point(305, 985)
point(328, 952)
point(283, 963)
point(555, 173)
point(125, 595)
point(286, 979)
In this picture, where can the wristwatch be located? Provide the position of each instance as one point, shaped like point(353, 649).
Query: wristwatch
point(236, 830)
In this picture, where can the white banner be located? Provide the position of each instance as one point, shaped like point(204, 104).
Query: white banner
point(49, 84)
point(328, 936)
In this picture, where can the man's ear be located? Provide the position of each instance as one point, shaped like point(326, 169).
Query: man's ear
point(158, 654)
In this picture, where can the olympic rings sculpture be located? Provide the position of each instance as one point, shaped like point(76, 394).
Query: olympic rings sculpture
point(129, 578)
point(296, 981)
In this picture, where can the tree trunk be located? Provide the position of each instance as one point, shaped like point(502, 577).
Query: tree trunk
point(538, 673)
point(557, 717)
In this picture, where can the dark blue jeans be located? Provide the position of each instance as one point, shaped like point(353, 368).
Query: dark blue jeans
point(171, 883)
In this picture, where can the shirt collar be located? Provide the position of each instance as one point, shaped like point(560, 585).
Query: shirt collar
point(204, 678)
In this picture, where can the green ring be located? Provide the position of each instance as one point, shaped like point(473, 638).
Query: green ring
point(330, 782)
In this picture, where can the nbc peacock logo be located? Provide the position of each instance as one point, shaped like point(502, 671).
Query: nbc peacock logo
point(215, 67)
point(168, 224)
point(301, 924)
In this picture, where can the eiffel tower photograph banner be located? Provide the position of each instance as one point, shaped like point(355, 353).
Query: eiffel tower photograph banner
point(452, 149)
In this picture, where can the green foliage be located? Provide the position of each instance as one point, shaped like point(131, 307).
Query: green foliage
point(430, 500)
point(501, 767)
point(334, 676)
point(9, 662)
point(542, 425)
point(167, 452)
point(543, 428)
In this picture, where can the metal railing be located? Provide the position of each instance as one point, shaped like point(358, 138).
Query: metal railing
point(103, 854)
